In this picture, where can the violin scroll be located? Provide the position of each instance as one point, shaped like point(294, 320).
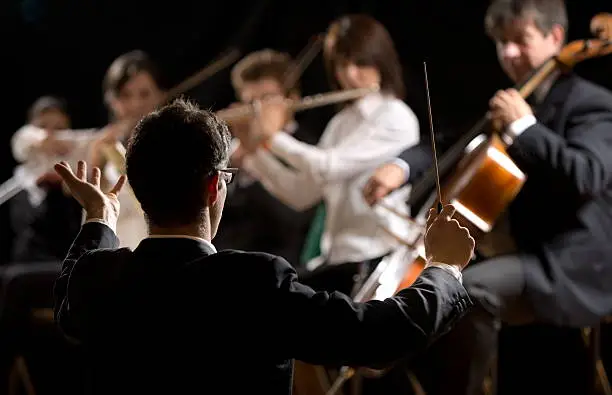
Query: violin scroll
point(601, 26)
point(580, 50)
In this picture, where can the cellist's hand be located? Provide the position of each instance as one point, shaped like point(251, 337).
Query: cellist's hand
point(272, 114)
point(508, 106)
point(385, 179)
point(446, 241)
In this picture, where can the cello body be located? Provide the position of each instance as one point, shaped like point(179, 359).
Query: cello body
point(481, 187)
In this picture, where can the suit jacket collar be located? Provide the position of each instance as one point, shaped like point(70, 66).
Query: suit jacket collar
point(174, 249)
point(546, 110)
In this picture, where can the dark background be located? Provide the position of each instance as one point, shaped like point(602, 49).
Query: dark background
point(63, 47)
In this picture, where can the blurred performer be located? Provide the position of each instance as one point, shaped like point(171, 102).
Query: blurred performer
point(254, 219)
point(45, 220)
point(364, 134)
point(132, 89)
point(546, 266)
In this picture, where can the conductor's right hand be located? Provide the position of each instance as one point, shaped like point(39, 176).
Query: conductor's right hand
point(446, 241)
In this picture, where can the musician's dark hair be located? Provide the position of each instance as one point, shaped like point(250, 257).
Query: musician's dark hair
point(170, 154)
point(266, 63)
point(544, 13)
point(125, 67)
point(47, 103)
point(366, 42)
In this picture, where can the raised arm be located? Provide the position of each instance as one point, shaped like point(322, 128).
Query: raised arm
point(98, 232)
point(374, 334)
point(297, 189)
point(393, 328)
point(373, 142)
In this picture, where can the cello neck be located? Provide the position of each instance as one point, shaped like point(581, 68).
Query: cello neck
point(452, 156)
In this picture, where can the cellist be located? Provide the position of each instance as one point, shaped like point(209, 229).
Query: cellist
point(550, 261)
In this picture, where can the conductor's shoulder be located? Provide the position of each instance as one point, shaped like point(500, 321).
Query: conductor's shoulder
point(263, 263)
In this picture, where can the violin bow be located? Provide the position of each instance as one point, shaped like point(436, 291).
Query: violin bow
point(303, 60)
point(433, 139)
point(223, 61)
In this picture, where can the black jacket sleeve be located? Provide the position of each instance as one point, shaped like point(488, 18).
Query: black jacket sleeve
point(334, 330)
point(582, 157)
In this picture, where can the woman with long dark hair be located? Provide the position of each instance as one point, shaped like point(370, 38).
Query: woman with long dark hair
point(359, 54)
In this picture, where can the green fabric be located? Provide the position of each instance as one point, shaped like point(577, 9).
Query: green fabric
point(312, 246)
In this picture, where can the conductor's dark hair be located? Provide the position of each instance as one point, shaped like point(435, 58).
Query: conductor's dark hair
point(170, 155)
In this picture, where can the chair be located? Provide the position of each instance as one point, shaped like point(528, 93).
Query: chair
point(599, 382)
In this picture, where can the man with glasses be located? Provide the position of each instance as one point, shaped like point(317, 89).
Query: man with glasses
point(175, 315)
point(254, 219)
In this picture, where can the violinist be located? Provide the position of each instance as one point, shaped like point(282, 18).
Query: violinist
point(132, 88)
point(359, 53)
point(549, 260)
point(44, 218)
point(254, 219)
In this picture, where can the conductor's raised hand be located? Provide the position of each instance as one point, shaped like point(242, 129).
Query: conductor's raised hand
point(97, 204)
point(446, 241)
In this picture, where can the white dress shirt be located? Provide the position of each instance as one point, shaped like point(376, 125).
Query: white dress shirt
point(358, 139)
point(131, 226)
point(34, 164)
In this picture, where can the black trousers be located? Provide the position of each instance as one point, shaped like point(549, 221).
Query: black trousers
point(458, 363)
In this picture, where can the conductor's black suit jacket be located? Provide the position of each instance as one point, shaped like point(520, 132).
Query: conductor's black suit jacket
point(177, 317)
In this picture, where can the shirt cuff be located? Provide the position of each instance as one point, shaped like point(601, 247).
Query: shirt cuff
point(517, 127)
point(402, 163)
point(454, 270)
point(103, 222)
point(249, 165)
point(281, 142)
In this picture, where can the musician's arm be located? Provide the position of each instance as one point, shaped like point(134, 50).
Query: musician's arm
point(415, 161)
point(294, 188)
point(366, 148)
point(582, 157)
point(26, 141)
point(373, 334)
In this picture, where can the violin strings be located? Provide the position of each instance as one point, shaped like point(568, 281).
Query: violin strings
point(433, 140)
